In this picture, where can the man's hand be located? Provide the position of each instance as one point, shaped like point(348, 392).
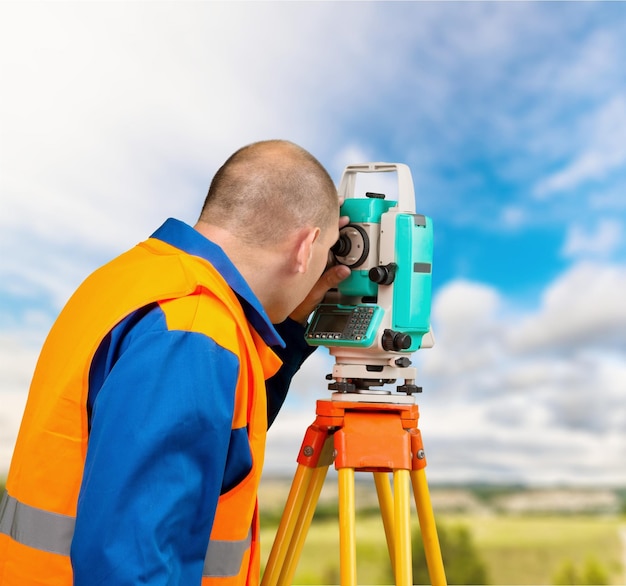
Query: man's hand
point(329, 280)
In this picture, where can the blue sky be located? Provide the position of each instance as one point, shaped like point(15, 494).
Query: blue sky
point(511, 116)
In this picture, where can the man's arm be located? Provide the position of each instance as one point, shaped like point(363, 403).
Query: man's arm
point(160, 430)
point(295, 352)
point(296, 349)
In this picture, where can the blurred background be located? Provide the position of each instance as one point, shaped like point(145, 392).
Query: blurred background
point(511, 116)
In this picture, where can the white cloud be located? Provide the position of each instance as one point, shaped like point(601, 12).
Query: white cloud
point(351, 154)
point(584, 307)
point(593, 58)
point(465, 322)
point(12, 405)
point(18, 356)
point(514, 217)
point(602, 151)
point(463, 305)
point(607, 237)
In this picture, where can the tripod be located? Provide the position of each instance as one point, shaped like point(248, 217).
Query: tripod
point(369, 433)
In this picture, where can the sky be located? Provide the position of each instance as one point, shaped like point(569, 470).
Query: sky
point(511, 116)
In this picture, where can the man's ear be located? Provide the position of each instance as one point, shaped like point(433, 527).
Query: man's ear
point(304, 251)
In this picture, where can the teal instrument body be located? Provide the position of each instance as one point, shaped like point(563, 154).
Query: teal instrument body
point(412, 292)
point(363, 211)
point(383, 308)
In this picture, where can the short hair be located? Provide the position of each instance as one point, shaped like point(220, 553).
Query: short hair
point(267, 189)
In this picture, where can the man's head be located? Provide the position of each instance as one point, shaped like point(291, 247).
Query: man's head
point(267, 189)
point(274, 209)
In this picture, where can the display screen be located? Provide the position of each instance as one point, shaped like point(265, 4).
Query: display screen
point(346, 325)
point(332, 322)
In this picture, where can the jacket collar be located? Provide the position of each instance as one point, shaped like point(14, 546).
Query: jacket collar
point(184, 237)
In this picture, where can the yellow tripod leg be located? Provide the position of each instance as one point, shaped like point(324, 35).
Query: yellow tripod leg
point(428, 528)
point(385, 502)
point(402, 528)
point(347, 527)
point(284, 534)
point(313, 462)
point(305, 517)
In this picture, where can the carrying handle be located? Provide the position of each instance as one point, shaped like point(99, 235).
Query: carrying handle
point(406, 191)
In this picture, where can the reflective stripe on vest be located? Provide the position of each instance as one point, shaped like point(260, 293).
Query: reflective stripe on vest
point(36, 528)
point(223, 558)
point(53, 533)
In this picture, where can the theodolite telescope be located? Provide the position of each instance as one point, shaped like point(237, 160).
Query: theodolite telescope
point(380, 314)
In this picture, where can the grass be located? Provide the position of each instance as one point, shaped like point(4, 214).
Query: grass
point(529, 550)
point(517, 550)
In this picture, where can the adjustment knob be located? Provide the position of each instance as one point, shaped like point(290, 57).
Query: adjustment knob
point(395, 341)
point(384, 274)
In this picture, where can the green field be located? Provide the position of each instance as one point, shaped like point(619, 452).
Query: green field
point(515, 548)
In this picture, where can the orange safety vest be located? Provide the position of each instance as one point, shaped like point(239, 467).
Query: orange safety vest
point(38, 509)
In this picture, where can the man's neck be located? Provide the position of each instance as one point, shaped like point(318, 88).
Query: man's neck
point(260, 267)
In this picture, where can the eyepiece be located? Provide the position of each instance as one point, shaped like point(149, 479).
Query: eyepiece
point(353, 246)
point(342, 247)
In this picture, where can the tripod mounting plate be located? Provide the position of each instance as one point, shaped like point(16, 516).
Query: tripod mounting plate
point(365, 371)
point(374, 398)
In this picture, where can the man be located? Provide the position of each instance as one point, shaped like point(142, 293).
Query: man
point(141, 448)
